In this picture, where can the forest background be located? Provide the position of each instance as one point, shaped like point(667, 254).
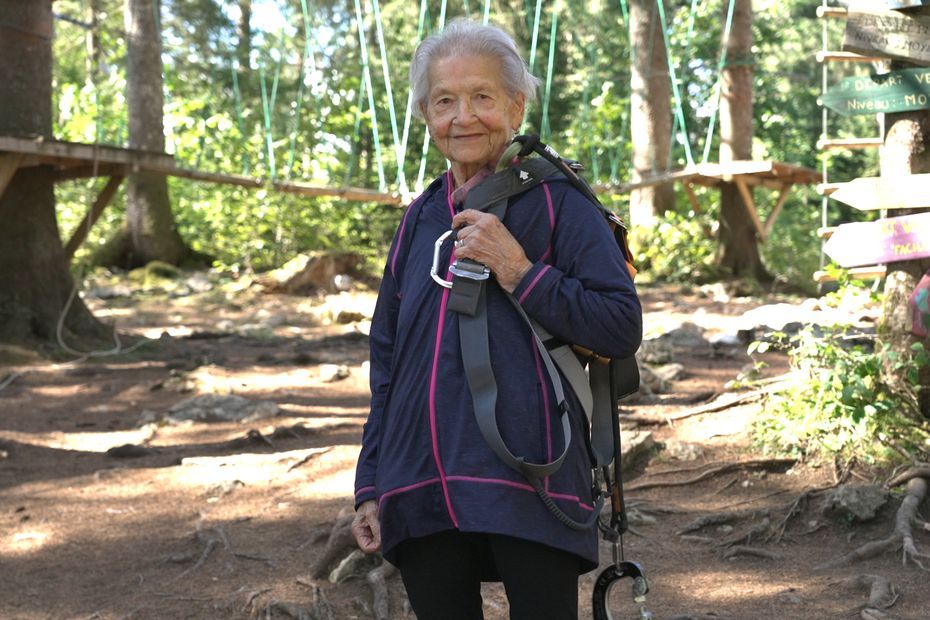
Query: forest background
point(283, 97)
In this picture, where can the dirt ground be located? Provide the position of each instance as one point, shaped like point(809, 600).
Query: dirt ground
point(224, 519)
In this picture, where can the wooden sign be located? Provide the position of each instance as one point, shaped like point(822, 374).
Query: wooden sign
point(887, 240)
point(889, 4)
point(888, 33)
point(898, 91)
point(874, 193)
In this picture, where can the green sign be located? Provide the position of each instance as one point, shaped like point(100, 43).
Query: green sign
point(898, 91)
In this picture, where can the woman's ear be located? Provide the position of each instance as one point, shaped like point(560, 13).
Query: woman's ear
point(517, 111)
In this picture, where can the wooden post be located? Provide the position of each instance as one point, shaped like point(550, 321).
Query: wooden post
point(750, 205)
point(80, 233)
point(770, 220)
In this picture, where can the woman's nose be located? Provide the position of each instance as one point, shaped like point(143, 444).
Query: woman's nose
point(464, 111)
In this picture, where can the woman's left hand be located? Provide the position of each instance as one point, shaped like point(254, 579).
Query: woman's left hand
point(483, 238)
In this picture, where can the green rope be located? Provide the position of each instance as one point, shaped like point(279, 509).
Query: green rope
point(421, 173)
point(301, 78)
point(535, 35)
point(409, 112)
point(353, 158)
point(487, 12)
point(399, 152)
point(246, 167)
point(679, 111)
point(625, 11)
point(269, 145)
point(719, 85)
point(544, 125)
point(689, 36)
point(363, 47)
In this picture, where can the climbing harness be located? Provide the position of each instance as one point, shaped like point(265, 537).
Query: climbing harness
point(598, 390)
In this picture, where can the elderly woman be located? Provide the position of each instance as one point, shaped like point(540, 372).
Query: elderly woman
point(430, 493)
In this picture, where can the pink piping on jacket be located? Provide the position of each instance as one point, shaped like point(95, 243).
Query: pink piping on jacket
point(409, 487)
point(434, 374)
point(521, 486)
point(551, 210)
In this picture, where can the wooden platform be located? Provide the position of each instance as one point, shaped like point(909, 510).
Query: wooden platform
point(745, 174)
point(73, 160)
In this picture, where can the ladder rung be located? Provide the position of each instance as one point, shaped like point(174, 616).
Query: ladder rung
point(846, 57)
point(838, 12)
point(858, 273)
point(849, 143)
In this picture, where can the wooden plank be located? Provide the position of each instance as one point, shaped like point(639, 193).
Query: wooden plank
point(346, 193)
point(55, 151)
point(859, 273)
point(750, 205)
point(9, 164)
point(825, 144)
point(823, 57)
point(888, 33)
point(911, 191)
point(99, 170)
point(209, 177)
point(886, 240)
point(91, 217)
point(896, 91)
point(770, 220)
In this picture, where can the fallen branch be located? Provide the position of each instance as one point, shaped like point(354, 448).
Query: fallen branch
point(900, 538)
point(250, 599)
point(307, 459)
point(764, 464)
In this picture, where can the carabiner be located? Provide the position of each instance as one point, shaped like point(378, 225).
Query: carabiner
point(609, 578)
point(463, 268)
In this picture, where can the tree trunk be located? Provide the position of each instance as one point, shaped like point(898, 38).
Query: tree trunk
point(150, 232)
point(906, 151)
point(738, 249)
point(34, 279)
point(244, 47)
point(93, 52)
point(651, 114)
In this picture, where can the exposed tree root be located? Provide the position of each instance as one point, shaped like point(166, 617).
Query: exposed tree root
point(882, 595)
point(377, 579)
point(339, 541)
point(900, 538)
point(764, 464)
point(922, 471)
point(715, 518)
point(739, 550)
point(756, 532)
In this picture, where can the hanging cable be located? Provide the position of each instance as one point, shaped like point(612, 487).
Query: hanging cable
point(544, 125)
point(363, 50)
point(422, 172)
point(708, 140)
point(410, 103)
point(679, 111)
point(399, 152)
point(353, 156)
point(487, 12)
point(535, 35)
point(683, 70)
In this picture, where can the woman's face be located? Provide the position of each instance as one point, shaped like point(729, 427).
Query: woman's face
point(470, 115)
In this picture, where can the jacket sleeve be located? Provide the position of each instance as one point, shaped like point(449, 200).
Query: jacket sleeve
point(585, 295)
point(381, 342)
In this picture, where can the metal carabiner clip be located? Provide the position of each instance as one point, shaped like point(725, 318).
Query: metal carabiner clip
point(609, 578)
point(463, 268)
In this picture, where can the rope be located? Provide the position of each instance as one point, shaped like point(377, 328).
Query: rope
point(422, 171)
point(355, 132)
point(679, 112)
point(487, 12)
point(301, 78)
point(689, 37)
point(234, 67)
point(535, 35)
point(719, 85)
point(363, 49)
point(269, 145)
point(408, 114)
point(399, 152)
point(544, 125)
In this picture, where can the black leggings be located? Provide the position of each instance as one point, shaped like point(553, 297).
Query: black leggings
point(443, 574)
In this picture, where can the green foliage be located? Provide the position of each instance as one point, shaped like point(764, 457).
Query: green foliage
point(679, 249)
point(851, 396)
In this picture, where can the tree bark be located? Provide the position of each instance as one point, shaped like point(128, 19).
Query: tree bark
point(738, 248)
point(150, 232)
point(651, 114)
point(35, 283)
point(906, 151)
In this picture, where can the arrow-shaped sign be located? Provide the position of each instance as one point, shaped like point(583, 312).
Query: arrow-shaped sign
point(873, 193)
point(883, 241)
point(898, 91)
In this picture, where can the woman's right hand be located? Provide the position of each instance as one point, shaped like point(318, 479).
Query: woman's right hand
point(366, 528)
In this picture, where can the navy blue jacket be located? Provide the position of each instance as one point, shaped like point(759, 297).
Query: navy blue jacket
point(423, 457)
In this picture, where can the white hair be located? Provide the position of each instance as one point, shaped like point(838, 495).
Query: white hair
point(462, 37)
